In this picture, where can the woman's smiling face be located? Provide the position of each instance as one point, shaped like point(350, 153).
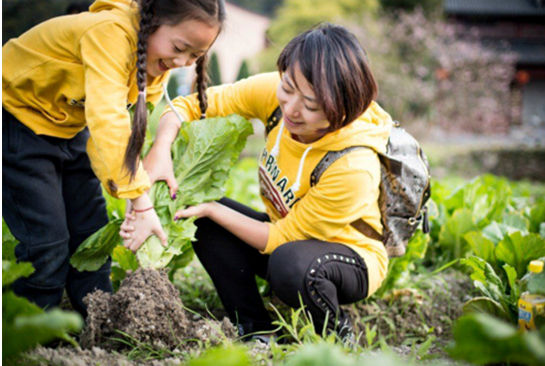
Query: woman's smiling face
point(303, 116)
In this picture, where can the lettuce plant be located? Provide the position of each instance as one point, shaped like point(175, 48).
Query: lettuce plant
point(202, 154)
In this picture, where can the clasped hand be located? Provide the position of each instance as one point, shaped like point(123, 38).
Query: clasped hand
point(138, 226)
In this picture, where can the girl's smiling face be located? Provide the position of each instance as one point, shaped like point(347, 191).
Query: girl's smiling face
point(303, 116)
point(172, 46)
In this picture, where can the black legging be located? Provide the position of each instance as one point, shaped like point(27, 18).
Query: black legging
point(324, 274)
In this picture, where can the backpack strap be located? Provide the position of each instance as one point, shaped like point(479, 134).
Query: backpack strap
point(329, 158)
point(273, 120)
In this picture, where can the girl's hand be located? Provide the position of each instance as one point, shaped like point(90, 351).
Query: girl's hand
point(158, 165)
point(141, 221)
point(200, 210)
point(145, 224)
point(127, 227)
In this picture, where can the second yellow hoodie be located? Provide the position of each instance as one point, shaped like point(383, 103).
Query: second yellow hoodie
point(80, 70)
point(347, 190)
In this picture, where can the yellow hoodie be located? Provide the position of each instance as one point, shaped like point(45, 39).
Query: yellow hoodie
point(347, 190)
point(80, 70)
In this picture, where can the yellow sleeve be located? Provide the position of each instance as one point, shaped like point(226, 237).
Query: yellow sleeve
point(344, 193)
point(108, 57)
point(254, 97)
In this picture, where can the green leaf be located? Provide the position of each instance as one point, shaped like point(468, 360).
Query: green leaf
point(513, 285)
point(8, 243)
point(212, 147)
point(494, 232)
point(25, 325)
point(321, 354)
point(114, 206)
point(223, 356)
point(537, 217)
point(518, 250)
point(452, 233)
point(416, 249)
point(125, 258)
point(11, 271)
point(482, 339)
point(96, 249)
point(203, 154)
point(153, 255)
point(486, 278)
point(481, 246)
point(516, 221)
point(486, 305)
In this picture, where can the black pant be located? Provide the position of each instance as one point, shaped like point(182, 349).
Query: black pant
point(51, 202)
point(324, 275)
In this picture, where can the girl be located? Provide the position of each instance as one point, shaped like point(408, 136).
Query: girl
point(304, 244)
point(68, 84)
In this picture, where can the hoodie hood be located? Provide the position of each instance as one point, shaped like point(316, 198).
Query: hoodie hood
point(124, 5)
point(371, 129)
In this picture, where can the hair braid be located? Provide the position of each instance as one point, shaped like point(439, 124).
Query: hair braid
point(140, 120)
point(202, 82)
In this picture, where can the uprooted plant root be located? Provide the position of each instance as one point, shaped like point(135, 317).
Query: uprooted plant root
point(146, 310)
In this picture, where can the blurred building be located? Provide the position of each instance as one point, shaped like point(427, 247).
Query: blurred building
point(518, 25)
point(243, 37)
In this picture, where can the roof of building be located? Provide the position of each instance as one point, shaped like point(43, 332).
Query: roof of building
point(528, 52)
point(495, 7)
point(531, 53)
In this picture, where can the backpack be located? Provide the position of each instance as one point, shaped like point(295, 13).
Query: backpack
point(404, 187)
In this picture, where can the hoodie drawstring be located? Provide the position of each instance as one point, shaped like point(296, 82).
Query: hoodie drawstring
point(276, 149)
point(295, 187)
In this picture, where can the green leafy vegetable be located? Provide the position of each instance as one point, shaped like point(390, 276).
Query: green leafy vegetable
point(96, 249)
point(482, 339)
point(518, 250)
point(25, 325)
point(202, 154)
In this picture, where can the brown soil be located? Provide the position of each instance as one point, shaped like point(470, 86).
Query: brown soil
point(147, 310)
point(408, 316)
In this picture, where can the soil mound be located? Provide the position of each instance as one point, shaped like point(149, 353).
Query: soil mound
point(146, 309)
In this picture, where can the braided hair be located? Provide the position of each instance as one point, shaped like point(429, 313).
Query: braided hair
point(153, 13)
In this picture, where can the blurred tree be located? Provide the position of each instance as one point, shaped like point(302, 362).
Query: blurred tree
point(243, 72)
point(429, 6)
point(214, 71)
point(20, 15)
point(264, 7)
point(428, 74)
point(296, 16)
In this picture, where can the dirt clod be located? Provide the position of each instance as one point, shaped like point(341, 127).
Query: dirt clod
point(146, 310)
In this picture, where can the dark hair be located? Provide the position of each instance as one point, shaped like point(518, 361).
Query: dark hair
point(332, 60)
point(153, 13)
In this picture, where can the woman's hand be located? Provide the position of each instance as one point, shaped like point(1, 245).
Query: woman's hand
point(141, 221)
point(200, 210)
